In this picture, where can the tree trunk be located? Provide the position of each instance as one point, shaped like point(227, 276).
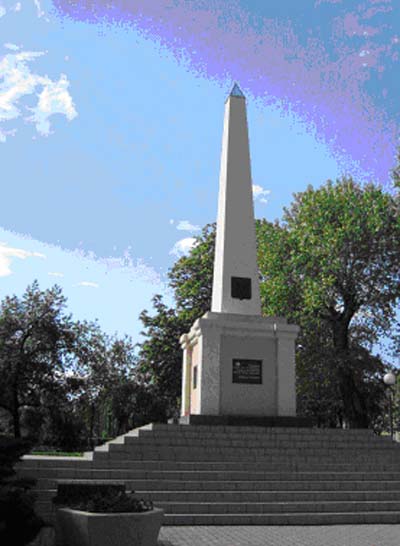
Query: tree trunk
point(354, 406)
point(16, 423)
point(353, 402)
point(123, 424)
point(91, 426)
point(340, 336)
point(15, 413)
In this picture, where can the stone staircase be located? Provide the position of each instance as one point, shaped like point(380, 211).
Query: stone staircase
point(241, 475)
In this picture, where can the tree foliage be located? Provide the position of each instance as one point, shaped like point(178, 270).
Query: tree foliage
point(100, 381)
point(34, 336)
point(341, 256)
point(396, 171)
point(191, 277)
point(332, 266)
point(62, 380)
point(160, 355)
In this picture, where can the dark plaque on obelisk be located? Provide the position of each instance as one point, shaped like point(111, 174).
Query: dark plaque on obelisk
point(241, 288)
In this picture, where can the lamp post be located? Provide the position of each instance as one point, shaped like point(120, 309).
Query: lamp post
point(390, 379)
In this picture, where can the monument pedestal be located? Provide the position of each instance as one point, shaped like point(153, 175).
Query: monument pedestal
point(239, 365)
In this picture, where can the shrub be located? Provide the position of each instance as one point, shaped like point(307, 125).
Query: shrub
point(18, 522)
point(63, 431)
point(100, 498)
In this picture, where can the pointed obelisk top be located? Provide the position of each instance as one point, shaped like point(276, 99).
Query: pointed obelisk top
point(236, 91)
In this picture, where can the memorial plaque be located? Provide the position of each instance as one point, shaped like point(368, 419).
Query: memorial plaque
point(241, 288)
point(246, 371)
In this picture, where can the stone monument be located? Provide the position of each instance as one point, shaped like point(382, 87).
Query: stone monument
point(236, 362)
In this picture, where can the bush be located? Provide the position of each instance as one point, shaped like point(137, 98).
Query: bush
point(18, 522)
point(115, 502)
point(108, 498)
point(63, 431)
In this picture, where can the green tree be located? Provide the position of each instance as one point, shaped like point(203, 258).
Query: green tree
point(101, 370)
point(92, 373)
point(123, 386)
point(34, 337)
point(191, 277)
point(333, 264)
point(59, 376)
point(396, 171)
point(160, 355)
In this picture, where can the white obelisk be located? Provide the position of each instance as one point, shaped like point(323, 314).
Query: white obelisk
point(237, 363)
point(235, 249)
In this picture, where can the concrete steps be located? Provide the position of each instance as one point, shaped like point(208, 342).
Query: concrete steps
point(218, 508)
point(209, 475)
point(251, 454)
point(301, 518)
point(204, 476)
point(246, 485)
point(45, 495)
point(267, 466)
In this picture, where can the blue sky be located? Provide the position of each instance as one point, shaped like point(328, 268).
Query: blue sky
point(111, 127)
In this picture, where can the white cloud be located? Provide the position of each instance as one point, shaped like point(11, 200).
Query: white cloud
point(55, 274)
point(54, 99)
point(183, 246)
point(171, 221)
point(88, 283)
point(2, 11)
point(260, 193)
point(17, 81)
point(17, 6)
point(126, 264)
point(8, 253)
point(13, 47)
point(185, 225)
point(134, 269)
point(40, 12)
point(4, 134)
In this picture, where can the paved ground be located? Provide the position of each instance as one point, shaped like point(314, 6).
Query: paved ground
point(291, 535)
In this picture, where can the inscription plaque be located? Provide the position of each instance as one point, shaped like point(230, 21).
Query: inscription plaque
point(246, 371)
point(241, 288)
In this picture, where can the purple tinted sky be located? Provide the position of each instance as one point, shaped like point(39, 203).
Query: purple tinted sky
point(330, 62)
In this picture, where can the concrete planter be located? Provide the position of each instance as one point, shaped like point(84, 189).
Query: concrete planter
point(76, 528)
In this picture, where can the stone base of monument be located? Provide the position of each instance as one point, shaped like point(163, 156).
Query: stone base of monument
point(237, 364)
point(244, 421)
